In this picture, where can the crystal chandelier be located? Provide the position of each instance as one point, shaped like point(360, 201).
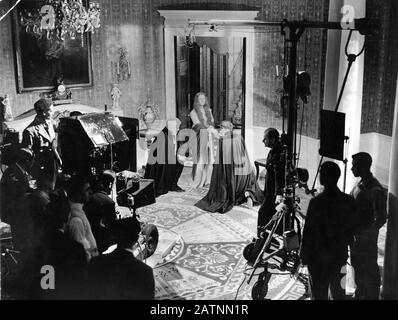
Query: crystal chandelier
point(61, 19)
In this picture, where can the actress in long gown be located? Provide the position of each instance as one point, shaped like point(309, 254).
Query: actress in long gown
point(203, 125)
point(233, 180)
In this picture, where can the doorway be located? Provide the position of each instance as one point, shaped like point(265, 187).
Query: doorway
point(215, 66)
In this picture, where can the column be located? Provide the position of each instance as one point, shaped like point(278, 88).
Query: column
point(390, 279)
point(170, 81)
point(249, 133)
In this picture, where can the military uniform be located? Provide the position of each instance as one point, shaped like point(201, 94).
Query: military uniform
point(371, 202)
point(39, 136)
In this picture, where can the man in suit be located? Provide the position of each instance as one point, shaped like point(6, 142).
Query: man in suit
point(39, 136)
point(119, 275)
point(328, 232)
point(274, 179)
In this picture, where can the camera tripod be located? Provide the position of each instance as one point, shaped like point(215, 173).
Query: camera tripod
point(259, 252)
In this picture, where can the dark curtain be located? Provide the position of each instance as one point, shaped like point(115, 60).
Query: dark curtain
point(162, 165)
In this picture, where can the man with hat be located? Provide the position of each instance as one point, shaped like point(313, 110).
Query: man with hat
point(119, 275)
point(371, 201)
point(39, 136)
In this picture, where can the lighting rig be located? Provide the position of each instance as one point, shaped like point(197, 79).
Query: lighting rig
point(296, 86)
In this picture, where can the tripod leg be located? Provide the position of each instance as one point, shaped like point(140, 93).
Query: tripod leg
point(265, 247)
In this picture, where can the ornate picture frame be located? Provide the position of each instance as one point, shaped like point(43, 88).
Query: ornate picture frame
point(40, 61)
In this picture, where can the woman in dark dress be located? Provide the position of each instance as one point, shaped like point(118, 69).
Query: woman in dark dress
point(233, 180)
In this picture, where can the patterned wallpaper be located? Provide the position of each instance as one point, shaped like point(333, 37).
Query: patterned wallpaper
point(137, 26)
point(311, 58)
point(381, 69)
point(133, 25)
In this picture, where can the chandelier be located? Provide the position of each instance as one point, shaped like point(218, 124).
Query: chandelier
point(62, 19)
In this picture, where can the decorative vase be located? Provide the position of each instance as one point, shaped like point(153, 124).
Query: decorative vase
point(149, 116)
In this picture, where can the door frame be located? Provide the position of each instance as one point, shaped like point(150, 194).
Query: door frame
point(176, 22)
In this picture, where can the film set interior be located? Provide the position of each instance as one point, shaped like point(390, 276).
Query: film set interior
point(199, 150)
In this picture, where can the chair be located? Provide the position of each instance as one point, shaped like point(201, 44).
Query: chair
point(259, 163)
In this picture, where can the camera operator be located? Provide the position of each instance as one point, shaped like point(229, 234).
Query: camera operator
point(119, 275)
point(328, 231)
point(100, 211)
point(274, 179)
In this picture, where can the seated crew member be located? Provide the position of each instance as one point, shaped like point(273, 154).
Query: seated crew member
point(233, 180)
point(119, 275)
point(39, 136)
point(328, 231)
point(78, 226)
point(163, 166)
point(67, 256)
point(100, 211)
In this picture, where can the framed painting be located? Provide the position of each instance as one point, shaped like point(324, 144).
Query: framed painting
point(41, 60)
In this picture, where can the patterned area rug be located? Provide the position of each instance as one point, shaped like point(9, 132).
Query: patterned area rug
point(199, 256)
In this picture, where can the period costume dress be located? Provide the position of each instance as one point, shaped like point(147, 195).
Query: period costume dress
point(204, 157)
point(233, 178)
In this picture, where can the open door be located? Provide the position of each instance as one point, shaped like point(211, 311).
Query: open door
point(215, 66)
point(187, 79)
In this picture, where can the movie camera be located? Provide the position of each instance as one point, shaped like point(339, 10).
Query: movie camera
point(133, 192)
point(95, 143)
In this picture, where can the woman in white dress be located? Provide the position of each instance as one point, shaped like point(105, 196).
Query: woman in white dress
point(203, 124)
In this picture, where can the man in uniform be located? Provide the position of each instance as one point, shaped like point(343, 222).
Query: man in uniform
point(39, 136)
point(371, 202)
